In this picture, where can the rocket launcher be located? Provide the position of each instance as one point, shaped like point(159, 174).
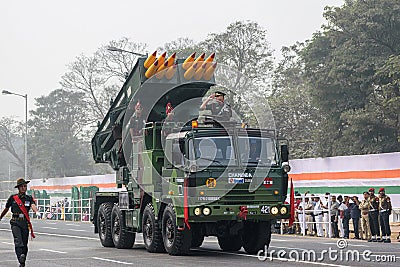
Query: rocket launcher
point(154, 94)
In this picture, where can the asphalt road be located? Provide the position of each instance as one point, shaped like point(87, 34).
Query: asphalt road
point(61, 243)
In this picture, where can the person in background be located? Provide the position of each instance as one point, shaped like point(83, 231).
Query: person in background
point(355, 214)
point(318, 217)
point(325, 214)
point(346, 217)
point(308, 207)
point(334, 216)
point(373, 216)
point(341, 209)
point(20, 205)
point(364, 207)
point(385, 209)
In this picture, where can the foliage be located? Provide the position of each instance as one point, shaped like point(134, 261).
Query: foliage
point(347, 65)
point(56, 148)
point(100, 76)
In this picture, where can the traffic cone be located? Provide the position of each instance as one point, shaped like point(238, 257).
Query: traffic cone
point(209, 72)
point(191, 71)
point(151, 70)
point(170, 72)
point(188, 62)
point(150, 60)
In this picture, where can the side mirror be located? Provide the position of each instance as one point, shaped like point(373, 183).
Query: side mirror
point(284, 153)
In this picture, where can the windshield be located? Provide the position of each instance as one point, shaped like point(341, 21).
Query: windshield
point(257, 150)
point(216, 151)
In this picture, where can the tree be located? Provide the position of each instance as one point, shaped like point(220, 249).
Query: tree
point(58, 124)
point(183, 47)
point(100, 76)
point(342, 63)
point(295, 116)
point(243, 46)
point(11, 132)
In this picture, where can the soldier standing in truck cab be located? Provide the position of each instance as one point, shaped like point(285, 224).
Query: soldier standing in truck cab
point(20, 205)
point(385, 209)
point(373, 216)
point(216, 104)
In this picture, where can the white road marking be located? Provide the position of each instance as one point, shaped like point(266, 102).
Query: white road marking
point(114, 261)
point(353, 245)
point(48, 227)
point(7, 243)
point(71, 224)
point(51, 223)
point(77, 230)
point(281, 259)
point(59, 235)
point(55, 251)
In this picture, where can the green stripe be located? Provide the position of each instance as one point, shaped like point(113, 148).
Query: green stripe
point(345, 190)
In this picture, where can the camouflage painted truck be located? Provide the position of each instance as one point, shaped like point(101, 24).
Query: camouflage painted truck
point(180, 180)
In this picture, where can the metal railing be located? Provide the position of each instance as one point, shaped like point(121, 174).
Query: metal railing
point(74, 210)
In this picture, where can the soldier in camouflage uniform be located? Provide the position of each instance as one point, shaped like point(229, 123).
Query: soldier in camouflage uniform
point(373, 216)
point(385, 209)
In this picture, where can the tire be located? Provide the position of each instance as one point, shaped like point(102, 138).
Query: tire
point(230, 242)
point(151, 228)
point(176, 242)
point(197, 239)
point(104, 224)
point(256, 236)
point(120, 236)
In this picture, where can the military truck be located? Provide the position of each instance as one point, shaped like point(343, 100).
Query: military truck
point(185, 179)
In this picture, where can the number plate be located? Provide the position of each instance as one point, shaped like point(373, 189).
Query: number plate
point(264, 209)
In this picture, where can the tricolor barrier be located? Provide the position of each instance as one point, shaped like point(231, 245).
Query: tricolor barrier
point(349, 175)
point(345, 175)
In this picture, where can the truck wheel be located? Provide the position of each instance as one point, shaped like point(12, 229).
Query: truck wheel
point(197, 238)
point(256, 236)
point(176, 242)
point(120, 236)
point(230, 242)
point(152, 230)
point(104, 224)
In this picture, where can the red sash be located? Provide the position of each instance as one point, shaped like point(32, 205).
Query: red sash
point(25, 212)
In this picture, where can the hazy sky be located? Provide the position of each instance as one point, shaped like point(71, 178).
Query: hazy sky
point(39, 38)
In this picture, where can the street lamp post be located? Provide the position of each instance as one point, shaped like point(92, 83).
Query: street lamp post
point(5, 92)
point(116, 49)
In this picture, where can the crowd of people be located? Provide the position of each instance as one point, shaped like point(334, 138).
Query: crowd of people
point(369, 216)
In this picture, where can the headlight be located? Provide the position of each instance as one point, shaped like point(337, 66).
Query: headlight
point(283, 210)
point(197, 211)
point(286, 167)
point(193, 168)
point(274, 210)
point(206, 211)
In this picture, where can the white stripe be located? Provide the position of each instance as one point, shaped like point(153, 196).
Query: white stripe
point(59, 235)
point(280, 259)
point(370, 162)
point(77, 230)
point(121, 262)
point(348, 182)
point(7, 243)
point(47, 227)
point(55, 251)
point(71, 224)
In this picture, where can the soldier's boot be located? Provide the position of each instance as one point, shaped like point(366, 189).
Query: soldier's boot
point(387, 240)
point(22, 260)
